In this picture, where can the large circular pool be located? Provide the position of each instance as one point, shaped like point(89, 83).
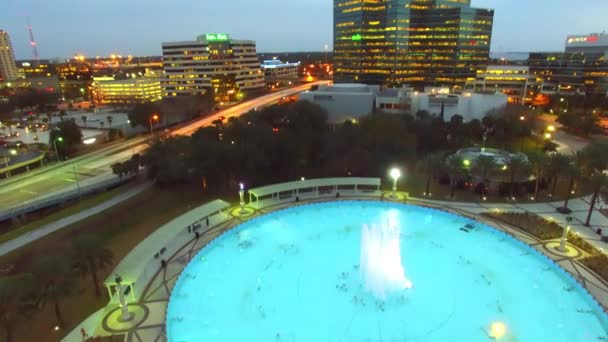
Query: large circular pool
point(376, 271)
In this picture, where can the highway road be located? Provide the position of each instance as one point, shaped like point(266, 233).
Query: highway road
point(89, 168)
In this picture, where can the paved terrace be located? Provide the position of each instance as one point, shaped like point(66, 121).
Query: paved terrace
point(150, 304)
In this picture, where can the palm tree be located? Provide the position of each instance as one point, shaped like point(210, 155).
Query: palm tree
point(454, 167)
point(90, 257)
point(12, 293)
point(572, 171)
point(518, 167)
point(538, 162)
point(482, 166)
point(599, 183)
point(101, 123)
point(54, 276)
point(84, 120)
point(558, 162)
point(430, 166)
point(109, 119)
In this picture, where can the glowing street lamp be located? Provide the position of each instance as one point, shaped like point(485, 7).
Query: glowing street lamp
point(395, 174)
point(242, 198)
point(522, 118)
point(551, 128)
point(155, 119)
point(60, 139)
point(548, 136)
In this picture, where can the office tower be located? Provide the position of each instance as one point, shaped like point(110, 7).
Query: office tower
point(416, 42)
point(8, 68)
point(212, 62)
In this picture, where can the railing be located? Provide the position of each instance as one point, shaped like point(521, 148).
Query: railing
point(15, 166)
point(315, 188)
point(39, 203)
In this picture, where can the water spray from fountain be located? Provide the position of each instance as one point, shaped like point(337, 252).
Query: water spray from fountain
point(380, 261)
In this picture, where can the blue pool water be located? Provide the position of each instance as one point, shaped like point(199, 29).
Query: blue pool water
point(293, 275)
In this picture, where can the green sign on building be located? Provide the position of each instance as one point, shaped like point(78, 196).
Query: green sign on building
point(217, 37)
point(357, 37)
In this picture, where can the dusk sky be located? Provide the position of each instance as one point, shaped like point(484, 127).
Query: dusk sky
point(137, 27)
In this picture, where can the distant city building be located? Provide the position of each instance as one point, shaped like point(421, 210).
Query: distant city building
point(277, 72)
point(212, 62)
point(8, 69)
point(515, 81)
point(106, 90)
point(40, 68)
point(570, 73)
point(416, 42)
point(592, 43)
point(346, 101)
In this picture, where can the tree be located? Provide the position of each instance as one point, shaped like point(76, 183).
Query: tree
point(101, 123)
point(119, 169)
point(13, 289)
point(572, 171)
point(90, 257)
point(558, 162)
point(430, 166)
point(54, 279)
point(84, 120)
point(517, 166)
point(45, 120)
point(599, 183)
point(454, 167)
point(109, 119)
point(66, 136)
point(538, 165)
point(482, 166)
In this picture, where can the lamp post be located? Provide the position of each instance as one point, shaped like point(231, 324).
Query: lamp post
point(242, 198)
point(76, 176)
point(124, 308)
point(60, 139)
point(153, 118)
point(562, 100)
point(395, 174)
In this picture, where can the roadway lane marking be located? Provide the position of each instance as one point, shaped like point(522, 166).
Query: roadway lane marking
point(69, 180)
point(29, 192)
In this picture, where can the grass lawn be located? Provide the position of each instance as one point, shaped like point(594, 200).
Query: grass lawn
point(79, 206)
point(533, 224)
point(121, 229)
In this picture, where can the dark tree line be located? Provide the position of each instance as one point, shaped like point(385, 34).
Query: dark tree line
point(289, 141)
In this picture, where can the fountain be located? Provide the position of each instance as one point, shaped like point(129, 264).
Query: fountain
point(380, 262)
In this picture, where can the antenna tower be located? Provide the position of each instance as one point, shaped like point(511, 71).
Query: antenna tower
point(33, 43)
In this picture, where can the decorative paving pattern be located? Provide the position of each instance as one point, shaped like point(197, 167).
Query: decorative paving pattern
point(149, 321)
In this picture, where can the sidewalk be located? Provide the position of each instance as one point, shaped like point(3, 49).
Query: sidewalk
point(64, 222)
point(547, 210)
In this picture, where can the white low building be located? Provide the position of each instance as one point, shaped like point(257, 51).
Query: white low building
point(344, 101)
point(468, 105)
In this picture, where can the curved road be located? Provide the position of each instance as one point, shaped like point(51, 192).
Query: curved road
point(95, 166)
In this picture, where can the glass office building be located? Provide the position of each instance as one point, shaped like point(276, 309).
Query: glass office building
point(416, 42)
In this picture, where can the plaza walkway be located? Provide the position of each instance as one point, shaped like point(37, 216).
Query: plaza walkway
point(151, 306)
